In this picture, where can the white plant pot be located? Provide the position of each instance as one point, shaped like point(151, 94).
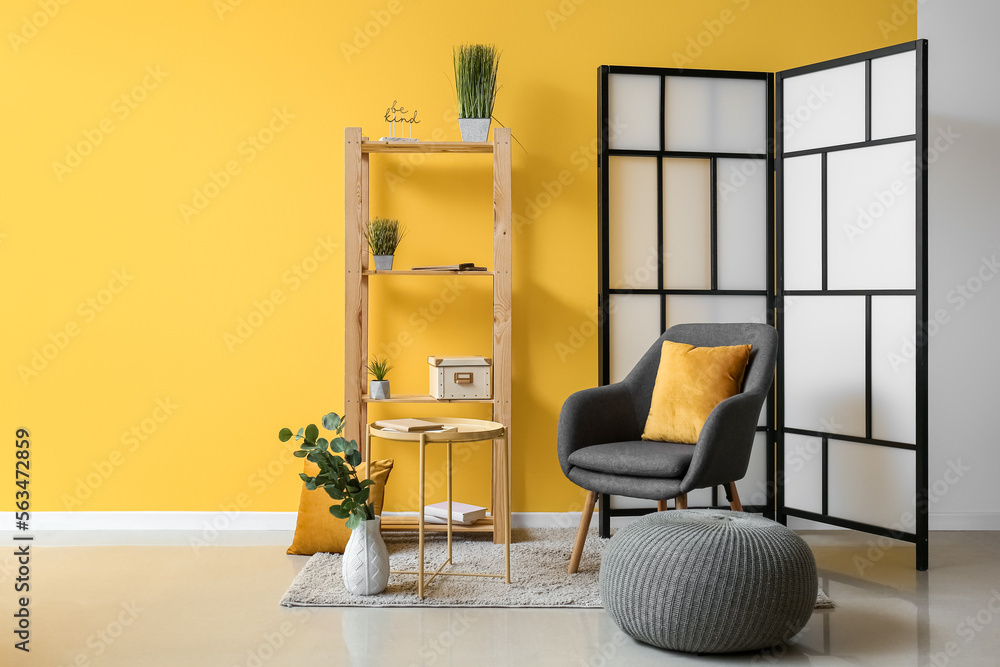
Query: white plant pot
point(378, 389)
point(366, 560)
point(383, 262)
point(474, 129)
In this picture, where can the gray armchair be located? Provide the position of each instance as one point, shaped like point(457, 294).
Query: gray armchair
point(599, 437)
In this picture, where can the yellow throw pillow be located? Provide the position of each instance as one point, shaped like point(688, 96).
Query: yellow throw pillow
point(318, 530)
point(690, 382)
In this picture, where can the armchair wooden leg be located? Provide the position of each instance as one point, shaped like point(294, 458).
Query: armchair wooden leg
point(681, 501)
point(733, 496)
point(661, 506)
point(581, 533)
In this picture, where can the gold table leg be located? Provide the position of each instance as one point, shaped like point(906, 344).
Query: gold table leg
point(448, 466)
point(420, 522)
point(507, 482)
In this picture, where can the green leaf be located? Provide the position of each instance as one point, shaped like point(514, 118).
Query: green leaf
point(304, 477)
point(337, 444)
point(331, 421)
point(354, 458)
point(355, 521)
point(334, 492)
point(298, 436)
point(285, 434)
point(312, 433)
point(362, 496)
point(338, 511)
point(311, 484)
point(365, 483)
point(299, 454)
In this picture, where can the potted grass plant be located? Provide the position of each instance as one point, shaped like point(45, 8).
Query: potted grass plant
point(366, 561)
point(383, 236)
point(476, 68)
point(379, 387)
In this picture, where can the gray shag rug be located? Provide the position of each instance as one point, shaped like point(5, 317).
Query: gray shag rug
point(538, 560)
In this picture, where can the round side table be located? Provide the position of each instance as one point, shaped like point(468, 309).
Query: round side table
point(458, 430)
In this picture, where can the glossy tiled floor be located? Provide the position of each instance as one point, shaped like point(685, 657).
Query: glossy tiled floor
point(175, 602)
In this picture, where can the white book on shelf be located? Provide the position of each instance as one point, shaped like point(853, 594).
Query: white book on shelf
point(460, 512)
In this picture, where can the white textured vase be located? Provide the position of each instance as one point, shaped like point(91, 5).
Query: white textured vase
point(366, 561)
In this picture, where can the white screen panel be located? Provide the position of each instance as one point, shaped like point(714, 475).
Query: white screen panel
point(803, 222)
point(753, 487)
point(894, 369)
point(634, 111)
point(682, 308)
point(894, 95)
point(741, 209)
point(825, 364)
point(632, 221)
point(635, 325)
point(721, 115)
point(687, 224)
point(824, 108)
point(869, 483)
point(803, 472)
point(871, 218)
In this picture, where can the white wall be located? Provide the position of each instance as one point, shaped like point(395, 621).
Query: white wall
point(964, 216)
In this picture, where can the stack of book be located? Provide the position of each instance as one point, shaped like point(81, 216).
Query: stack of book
point(462, 513)
point(464, 266)
point(412, 426)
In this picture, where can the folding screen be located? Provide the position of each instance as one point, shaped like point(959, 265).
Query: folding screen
point(685, 205)
point(851, 298)
point(688, 172)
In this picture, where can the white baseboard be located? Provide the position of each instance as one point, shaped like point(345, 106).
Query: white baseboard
point(199, 521)
point(223, 521)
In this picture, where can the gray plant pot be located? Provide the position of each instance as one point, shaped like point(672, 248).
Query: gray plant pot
point(378, 389)
point(474, 129)
point(383, 262)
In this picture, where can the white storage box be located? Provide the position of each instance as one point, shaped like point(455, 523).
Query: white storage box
point(460, 377)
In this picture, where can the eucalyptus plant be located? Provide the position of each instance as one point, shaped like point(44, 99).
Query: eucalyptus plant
point(384, 235)
point(379, 368)
point(476, 68)
point(337, 474)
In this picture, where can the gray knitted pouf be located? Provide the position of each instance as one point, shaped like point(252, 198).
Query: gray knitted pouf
point(708, 581)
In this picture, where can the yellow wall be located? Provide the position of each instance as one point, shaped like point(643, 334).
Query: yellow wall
point(144, 394)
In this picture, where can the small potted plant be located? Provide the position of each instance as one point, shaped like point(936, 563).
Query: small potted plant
point(383, 236)
point(379, 387)
point(366, 561)
point(476, 68)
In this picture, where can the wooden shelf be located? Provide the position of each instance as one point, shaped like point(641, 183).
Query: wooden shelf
point(422, 398)
point(426, 146)
point(411, 272)
point(409, 523)
point(357, 284)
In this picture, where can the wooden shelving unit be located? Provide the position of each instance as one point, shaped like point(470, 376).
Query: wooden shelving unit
point(357, 151)
point(422, 398)
point(407, 523)
point(411, 272)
